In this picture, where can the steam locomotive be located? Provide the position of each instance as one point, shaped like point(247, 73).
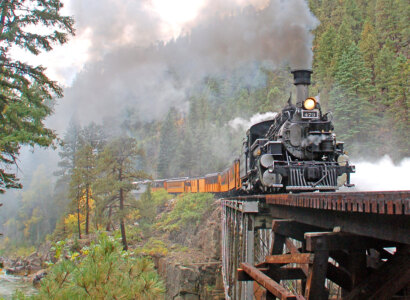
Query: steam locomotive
point(293, 152)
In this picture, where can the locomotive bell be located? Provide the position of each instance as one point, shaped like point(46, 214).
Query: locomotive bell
point(302, 81)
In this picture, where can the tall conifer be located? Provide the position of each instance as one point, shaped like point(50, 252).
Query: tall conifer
point(117, 172)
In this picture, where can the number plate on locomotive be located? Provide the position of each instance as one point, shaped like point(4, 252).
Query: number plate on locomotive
point(310, 114)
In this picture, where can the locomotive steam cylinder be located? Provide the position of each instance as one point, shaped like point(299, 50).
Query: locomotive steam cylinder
point(302, 81)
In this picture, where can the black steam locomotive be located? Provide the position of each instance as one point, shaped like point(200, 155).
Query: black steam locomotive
point(296, 150)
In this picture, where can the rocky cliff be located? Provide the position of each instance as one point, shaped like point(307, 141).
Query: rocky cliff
point(195, 273)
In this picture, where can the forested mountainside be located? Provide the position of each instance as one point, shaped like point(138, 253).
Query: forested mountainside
point(361, 74)
point(361, 65)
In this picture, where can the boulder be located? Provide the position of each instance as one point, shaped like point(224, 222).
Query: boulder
point(38, 277)
point(18, 270)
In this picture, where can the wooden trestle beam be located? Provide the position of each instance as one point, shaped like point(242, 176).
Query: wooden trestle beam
point(386, 281)
point(355, 263)
point(269, 284)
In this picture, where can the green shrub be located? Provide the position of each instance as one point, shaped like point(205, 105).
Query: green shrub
point(153, 247)
point(148, 207)
point(160, 197)
point(134, 233)
point(188, 210)
point(102, 271)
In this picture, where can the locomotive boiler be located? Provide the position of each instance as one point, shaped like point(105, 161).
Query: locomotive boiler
point(296, 150)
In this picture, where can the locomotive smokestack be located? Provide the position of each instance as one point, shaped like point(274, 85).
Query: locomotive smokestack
point(301, 80)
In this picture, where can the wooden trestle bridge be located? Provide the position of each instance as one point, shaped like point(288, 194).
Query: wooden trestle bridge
point(344, 245)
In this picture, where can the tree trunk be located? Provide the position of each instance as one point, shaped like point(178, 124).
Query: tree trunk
point(107, 228)
point(122, 223)
point(87, 209)
point(78, 215)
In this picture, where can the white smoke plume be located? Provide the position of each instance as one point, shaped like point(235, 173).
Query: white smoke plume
point(242, 124)
point(129, 67)
point(381, 175)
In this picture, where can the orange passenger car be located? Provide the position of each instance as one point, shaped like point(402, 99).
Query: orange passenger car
point(157, 185)
point(175, 186)
point(212, 183)
point(201, 185)
point(226, 181)
point(192, 185)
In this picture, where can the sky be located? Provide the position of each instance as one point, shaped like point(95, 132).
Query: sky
point(64, 62)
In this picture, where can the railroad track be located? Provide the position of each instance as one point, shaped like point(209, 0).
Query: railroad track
point(344, 245)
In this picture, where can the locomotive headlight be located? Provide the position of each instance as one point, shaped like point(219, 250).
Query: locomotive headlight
point(309, 104)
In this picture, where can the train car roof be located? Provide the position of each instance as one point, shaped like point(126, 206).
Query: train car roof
point(212, 175)
point(177, 179)
point(142, 182)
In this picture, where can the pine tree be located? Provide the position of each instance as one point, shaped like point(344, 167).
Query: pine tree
point(344, 37)
point(26, 93)
point(402, 8)
point(147, 208)
point(387, 20)
point(351, 110)
point(186, 158)
point(353, 15)
point(69, 147)
point(116, 166)
point(369, 47)
point(94, 136)
point(85, 175)
point(384, 68)
point(400, 105)
point(325, 55)
point(168, 145)
point(101, 271)
point(75, 194)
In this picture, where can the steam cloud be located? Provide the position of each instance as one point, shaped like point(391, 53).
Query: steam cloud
point(382, 175)
point(130, 68)
point(240, 123)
